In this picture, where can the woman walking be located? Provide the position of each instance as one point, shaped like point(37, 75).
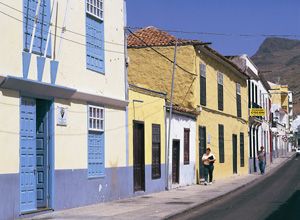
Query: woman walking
point(208, 160)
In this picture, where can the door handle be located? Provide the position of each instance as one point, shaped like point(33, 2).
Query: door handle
point(34, 172)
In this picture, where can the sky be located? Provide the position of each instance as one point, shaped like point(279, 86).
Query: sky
point(230, 17)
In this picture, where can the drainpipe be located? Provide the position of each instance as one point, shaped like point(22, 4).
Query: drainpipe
point(126, 84)
point(171, 108)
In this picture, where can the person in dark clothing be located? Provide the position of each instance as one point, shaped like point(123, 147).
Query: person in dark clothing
point(261, 156)
point(208, 160)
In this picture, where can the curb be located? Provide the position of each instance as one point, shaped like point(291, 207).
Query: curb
point(212, 200)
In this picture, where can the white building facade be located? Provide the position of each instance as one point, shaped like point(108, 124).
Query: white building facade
point(181, 156)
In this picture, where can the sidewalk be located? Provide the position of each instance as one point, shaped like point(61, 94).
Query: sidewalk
point(165, 204)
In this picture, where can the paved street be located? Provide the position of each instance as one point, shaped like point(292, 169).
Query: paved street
point(166, 204)
point(273, 197)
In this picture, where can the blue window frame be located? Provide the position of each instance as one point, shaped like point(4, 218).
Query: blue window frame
point(96, 162)
point(42, 27)
point(94, 36)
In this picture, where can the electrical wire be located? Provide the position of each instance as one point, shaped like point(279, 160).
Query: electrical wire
point(61, 28)
point(221, 34)
point(63, 38)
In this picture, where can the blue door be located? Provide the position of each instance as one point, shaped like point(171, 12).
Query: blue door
point(27, 155)
point(42, 162)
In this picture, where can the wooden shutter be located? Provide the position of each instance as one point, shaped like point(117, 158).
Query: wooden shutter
point(95, 154)
point(42, 27)
point(156, 148)
point(238, 100)
point(242, 150)
point(220, 91)
point(220, 97)
point(221, 144)
point(94, 44)
point(203, 84)
point(186, 146)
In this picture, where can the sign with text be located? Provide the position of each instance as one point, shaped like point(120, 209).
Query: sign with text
point(257, 112)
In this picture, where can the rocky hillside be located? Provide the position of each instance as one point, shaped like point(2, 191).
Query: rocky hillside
point(282, 57)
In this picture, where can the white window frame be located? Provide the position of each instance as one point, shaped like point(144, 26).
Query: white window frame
point(95, 8)
point(238, 88)
point(220, 78)
point(203, 70)
point(96, 118)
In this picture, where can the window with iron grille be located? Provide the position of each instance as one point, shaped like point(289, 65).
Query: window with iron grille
point(220, 92)
point(242, 150)
point(96, 166)
point(95, 36)
point(156, 148)
point(221, 144)
point(42, 26)
point(186, 146)
point(238, 100)
point(203, 84)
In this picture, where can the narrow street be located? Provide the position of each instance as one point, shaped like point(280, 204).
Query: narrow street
point(273, 197)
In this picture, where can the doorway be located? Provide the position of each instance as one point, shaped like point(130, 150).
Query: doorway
point(175, 161)
point(234, 153)
point(202, 149)
point(138, 156)
point(35, 154)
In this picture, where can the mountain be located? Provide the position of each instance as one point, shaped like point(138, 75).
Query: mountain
point(281, 56)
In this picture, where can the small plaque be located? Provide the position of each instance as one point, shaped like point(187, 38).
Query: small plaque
point(61, 116)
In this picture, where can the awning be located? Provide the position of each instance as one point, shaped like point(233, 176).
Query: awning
point(40, 89)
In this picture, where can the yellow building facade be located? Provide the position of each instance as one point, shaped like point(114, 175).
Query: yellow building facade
point(149, 69)
point(146, 135)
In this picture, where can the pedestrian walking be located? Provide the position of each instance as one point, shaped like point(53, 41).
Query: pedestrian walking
point(208, 160)
point(261, 156)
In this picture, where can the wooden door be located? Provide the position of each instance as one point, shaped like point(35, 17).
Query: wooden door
point(234, 153)
point(42, 149)
point(27, 155)
point(175, 161)
point(138, 156)
point(202, 149)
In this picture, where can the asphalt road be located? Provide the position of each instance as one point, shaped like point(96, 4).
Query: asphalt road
point(275, 196)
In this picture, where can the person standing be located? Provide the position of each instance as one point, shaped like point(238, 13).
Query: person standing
point(261, 156)
point(208, 160)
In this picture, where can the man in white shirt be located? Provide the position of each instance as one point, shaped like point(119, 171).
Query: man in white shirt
point(208, 160)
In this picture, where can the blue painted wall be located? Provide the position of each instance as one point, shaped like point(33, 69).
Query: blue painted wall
point(9, 196)
point(74, 189)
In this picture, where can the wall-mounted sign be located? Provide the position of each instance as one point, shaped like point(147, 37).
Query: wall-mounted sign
point(61, 116)
point(257, 112)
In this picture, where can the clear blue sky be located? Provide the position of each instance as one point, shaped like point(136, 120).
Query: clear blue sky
point(222, 16)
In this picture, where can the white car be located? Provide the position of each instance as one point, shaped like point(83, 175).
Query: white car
point(298, 151)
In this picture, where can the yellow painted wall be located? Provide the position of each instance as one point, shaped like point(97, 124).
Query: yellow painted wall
point(151, 111)
point(71, 143)
point(150, 70)
point(9, 131)
point(279, 95)
point(232, 125)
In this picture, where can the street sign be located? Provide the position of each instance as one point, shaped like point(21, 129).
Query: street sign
point(257, 112)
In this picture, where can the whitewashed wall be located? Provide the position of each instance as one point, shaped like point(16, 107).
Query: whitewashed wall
point(187, 173)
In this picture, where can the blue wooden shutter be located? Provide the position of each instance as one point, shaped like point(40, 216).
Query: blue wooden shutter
point(42, 28)
point(95, 154)
point(94, 44)
point(27, 155)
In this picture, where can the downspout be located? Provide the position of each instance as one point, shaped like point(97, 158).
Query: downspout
point(126, 84)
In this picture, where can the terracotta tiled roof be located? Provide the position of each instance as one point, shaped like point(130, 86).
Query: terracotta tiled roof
point(152, 36)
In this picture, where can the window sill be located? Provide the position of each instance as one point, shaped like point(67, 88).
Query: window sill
point(96, 177)
point(96, 71)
